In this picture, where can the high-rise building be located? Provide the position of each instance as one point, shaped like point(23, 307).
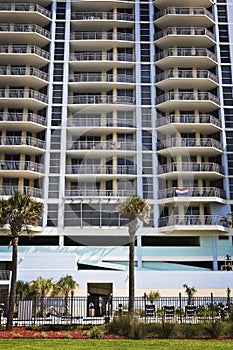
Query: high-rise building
point(100, 100)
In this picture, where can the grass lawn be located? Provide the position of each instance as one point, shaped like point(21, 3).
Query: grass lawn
point(87, 344)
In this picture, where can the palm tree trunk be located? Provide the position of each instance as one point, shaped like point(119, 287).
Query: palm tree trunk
point(10, 315)
point(131, 277)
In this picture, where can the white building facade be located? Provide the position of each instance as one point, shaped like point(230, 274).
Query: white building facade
point(100, 100)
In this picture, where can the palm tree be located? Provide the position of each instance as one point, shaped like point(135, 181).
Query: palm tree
point(23, 290)
point(19, 212)
point(134, 208)
point(65, 286)
point(190, 291)
point(42, 287)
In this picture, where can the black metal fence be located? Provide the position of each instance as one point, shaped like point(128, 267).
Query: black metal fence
point(100, 310)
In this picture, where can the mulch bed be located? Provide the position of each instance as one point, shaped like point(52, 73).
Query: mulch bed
point(21, 332)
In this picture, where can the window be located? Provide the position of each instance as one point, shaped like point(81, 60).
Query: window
point(145, 52)
point(54, 162)
point(54, 186)
point(57, 93)
point(146, 95)
point(59, 51)
point(226, 75)
point(146, 140)
point(52, 218)
point(223, 33)
point(225, 53)
point(58, 72)
point(145, 73)
point(56, 116)
point(55, 139)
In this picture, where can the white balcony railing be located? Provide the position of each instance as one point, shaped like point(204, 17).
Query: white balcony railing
point(98, 193)
point(22, 117)
point(106, 16)
point(188, 11)
point(189, 142)
point(89, 122)
point(102, 56)
point(187, 96)
point(23, 93)
point(188, 119)
point(22, 7)
point(10, 191)
point(186, 74)
point(187, 220)
point(186, 52)
point(190, 167)
point(102, 36)
point(23, 71)
point(100, 169)
point(16, 165)
point(24, 49)
point(100, 77)
point(21, 141)
point(24, 28)
point(184, 31)
point(101, 145)
point(101, 99)
point(193, 192)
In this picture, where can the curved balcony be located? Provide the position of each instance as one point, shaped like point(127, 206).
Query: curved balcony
point(22, 121)
point(205, 170)
point(35, 13)
point(112, 146)
point(18, 98)
point(10, 191)
point(200, 192)
point(180, 3)
point(16, 168)
point(184, 36)
point(72, 194)
point(203, 101)
point(102, 171)
point(184, 16)
point(19, 76)
point(101, 16)
point(205, 123)
point(21, 33)
point(23, 55)
point(186, 57)
point(200, 222)
point(110, 60)
point(187, 78)
point(93, 40)
point(90, 122)
point(101, 100)
point(90, 79)
point(26, 144)
point(203, 146)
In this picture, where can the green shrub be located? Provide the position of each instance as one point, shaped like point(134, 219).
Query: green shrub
point(213, 329)
point(94, 333)
point(190, 330)
point(123, 326)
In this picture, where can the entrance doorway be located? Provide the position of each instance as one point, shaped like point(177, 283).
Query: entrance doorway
point(99, 300)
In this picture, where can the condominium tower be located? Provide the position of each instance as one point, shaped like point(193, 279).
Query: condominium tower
point(101, 100)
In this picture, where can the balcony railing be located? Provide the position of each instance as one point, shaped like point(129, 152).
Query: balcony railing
point(186, 52)
point(102, 56)
point(22, 117)
point(20, 71)
point(99, 77)
point(91, 16)
point(99, 193)
point(187, 220)
point(193, 192)
point(25, 8)
point(23, 93)
point(184, 31)
point(100, 169)
point(101, 145)
point(24, 28)
point(101, 36)
point(187, 96)
point(101, 99)
point(16, 165)
point(100, 122)
point(24, 49)
point(11, 190)
point(189, 142)
point(188, 119)
point(188, 11)
point(186, 74)
point(190, 167)
point(21, 141)
point(5, 275)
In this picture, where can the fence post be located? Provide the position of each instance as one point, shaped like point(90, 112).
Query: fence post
point(180, 307)
point(212, 304)
point(71, 306)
